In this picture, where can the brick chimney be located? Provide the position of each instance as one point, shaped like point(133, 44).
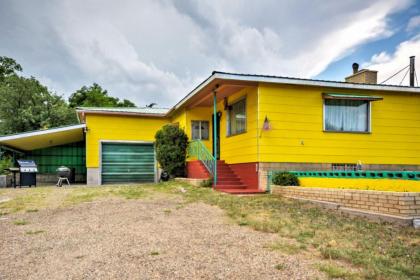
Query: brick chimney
point(364, 76)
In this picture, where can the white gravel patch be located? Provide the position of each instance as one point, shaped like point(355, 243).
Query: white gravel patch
point(140, 239)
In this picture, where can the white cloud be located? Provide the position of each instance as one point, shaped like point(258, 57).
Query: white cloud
point(158, 50)
point(380, 58)
point(413, 23)
point(389, 64)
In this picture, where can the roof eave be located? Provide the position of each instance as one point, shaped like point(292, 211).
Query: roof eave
point(41, 132)
point(318, 83)
point(94, 112)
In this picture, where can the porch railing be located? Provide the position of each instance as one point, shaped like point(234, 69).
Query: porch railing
point(197, 149)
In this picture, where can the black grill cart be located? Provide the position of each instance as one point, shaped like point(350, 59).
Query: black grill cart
point(27, 172)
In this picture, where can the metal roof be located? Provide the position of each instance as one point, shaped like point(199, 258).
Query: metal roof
point(313, 82)
point(136, 110)
point(44, 138)
point(226, 76)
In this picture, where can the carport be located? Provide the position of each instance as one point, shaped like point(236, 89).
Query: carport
point(50, 148)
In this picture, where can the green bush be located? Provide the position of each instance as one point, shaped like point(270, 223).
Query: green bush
point(171, 149)
point(285, 179)
point(207, 183)
point(5, 162)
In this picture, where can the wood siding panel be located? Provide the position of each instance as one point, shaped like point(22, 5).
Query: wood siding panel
point(240, 148)
point(296, 117)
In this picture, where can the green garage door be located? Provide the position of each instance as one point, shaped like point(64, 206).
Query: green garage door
point(127, 162)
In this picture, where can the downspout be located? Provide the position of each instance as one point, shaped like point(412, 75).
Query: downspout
point(215, 137)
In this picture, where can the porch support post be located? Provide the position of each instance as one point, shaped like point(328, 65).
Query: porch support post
point(215, 137)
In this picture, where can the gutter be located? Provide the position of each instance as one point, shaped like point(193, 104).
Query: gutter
point(122, 113)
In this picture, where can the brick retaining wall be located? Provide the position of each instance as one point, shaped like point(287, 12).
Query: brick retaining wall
point(405, 204)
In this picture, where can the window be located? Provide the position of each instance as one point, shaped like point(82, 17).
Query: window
point(236, 118)
point(343, 115)
point(200, 130)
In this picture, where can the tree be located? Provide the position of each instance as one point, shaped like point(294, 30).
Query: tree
point(8, 67)
point(95, 96)
point(171, 149)
point(27, 105)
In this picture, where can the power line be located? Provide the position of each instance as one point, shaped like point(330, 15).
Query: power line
point(395, 74)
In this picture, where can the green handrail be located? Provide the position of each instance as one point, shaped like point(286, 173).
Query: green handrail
point(197, 149)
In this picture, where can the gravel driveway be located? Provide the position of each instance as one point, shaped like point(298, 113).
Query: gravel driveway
point(157, 238)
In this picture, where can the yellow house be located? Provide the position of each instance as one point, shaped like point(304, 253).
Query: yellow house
point(254, 123)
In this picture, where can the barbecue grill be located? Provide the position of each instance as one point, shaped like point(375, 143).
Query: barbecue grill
point(64, 174)
point(27, 172)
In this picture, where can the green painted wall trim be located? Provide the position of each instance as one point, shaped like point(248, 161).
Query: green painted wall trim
point(401, 175)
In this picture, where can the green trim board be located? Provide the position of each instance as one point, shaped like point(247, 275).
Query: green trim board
point(402, 175)
point(127, 162)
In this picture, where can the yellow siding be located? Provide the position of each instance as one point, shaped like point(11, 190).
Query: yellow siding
point(295, 114)
point(393, 185)
point(112, 127)
point(180, 118)
point(240, 148)
point(200, 114)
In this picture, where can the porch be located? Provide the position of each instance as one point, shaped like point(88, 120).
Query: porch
point(221, 121)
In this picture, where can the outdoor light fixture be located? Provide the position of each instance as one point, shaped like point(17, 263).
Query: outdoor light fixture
point(267, 124)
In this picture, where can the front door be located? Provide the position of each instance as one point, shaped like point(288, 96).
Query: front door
point(217, 133)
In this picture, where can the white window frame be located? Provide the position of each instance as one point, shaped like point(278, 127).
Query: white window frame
point(228, 128)
point(200, 136)
point(369, 122)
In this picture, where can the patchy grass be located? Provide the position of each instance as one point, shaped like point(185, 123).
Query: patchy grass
point(20, 222)
point(380, 250)
point(34, 232)
point(280, 266)
point(89, 194)
point(154, 253)
point(334, 271)
point(286, 247)
point(34, 199)
point(22, 199)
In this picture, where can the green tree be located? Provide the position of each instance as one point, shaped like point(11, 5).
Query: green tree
point(95, 96)
point(8, 67)
point(171, 149)
point(27, 105)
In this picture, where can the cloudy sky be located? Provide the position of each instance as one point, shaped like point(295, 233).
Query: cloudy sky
point(158, 50)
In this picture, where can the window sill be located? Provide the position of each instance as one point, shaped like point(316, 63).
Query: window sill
point(231, 135)
point(352, 132)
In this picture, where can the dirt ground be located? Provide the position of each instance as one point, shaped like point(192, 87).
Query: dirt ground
point(155, 238)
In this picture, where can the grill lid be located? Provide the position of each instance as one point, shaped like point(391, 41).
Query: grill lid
point(27, 166)
point(26, 163)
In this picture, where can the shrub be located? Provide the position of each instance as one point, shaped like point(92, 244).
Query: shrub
point(207, 183)
point(285, 179)
point(5, 162)
point(171, 150)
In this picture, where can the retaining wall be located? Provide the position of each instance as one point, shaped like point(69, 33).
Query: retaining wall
point(404, 204)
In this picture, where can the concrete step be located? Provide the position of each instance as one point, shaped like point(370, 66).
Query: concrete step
point(241, 191)
point(226, 186)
